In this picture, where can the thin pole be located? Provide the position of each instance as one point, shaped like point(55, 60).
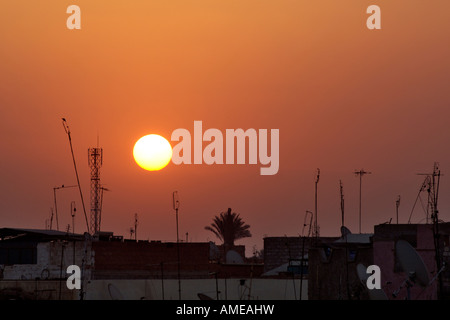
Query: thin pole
point(176, 205)
point(226, 289)
point(341, 188)
point(51, 219)
point(435, 219)
point(316, 226)
point(162, 279)
point(73, 209)
point(217, 286)
point(135, 226)
point(56, 208)
point(303, 249)
point(61, 268)
point(178, 257)
point(397, 204)
point(360, 192)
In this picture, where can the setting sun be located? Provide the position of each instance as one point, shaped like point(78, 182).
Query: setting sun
point(152, 152)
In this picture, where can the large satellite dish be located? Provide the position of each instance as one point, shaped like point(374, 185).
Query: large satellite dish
point(362, 274)
point(412, 264)
point(233, 257)
point(114, 292)
point(374, 294)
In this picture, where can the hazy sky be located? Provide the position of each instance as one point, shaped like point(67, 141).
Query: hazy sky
point(343, 97)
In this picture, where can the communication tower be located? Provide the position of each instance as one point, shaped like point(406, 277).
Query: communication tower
point(95, 159)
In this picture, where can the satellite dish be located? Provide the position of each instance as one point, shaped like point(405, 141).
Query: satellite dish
point(412, 264)
point(202, 296)
point(114, 292)
point(233, 257)
point(345, 231)
point(362, 274)
point(374, 294)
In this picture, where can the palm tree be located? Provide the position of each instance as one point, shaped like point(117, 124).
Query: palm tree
point(229, 227)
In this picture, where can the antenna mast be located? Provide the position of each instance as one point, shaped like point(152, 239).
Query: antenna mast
point(95, 161)
point(66, 128)
point(360, 173)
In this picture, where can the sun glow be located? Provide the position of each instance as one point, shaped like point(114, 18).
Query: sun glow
point(152, 152)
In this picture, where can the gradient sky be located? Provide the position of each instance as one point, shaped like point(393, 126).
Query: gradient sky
point(344, 98)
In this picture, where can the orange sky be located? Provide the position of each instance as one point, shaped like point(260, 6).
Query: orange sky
point(343, 97)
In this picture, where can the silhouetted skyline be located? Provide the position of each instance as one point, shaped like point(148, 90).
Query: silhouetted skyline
point(343, 97)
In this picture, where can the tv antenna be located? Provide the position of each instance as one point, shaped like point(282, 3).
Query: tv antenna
point(431, 185)
point(360, 173)
point(412, 264)
point(56, 207)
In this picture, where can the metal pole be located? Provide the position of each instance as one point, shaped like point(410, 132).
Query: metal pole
point(303, 249)
point(217, 286)
point(301, 268)
point(397, 204)
point(316, 228)
point(73, 209)
point(61, 269)
point(56, 208)
point(360, 188)
point(178, 257)
point(66, 128)
point(316, 225)
point(226, 289)
point(162, 279)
